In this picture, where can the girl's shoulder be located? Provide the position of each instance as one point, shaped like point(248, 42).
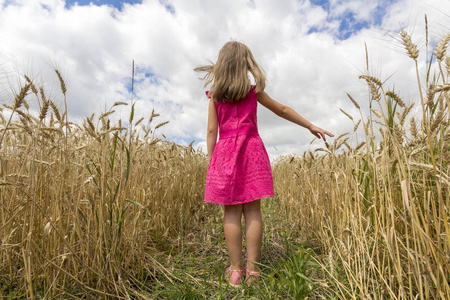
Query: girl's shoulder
point(251, 92)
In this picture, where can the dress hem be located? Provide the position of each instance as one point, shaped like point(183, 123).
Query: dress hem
point(243, 201)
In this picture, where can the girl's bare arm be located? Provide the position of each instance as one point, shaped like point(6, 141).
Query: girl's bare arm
point(213, 126)
point(289, 114)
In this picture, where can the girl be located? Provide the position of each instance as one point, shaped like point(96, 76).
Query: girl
point(239, 172)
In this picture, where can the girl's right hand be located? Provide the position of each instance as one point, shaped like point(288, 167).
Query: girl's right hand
point(319, 132)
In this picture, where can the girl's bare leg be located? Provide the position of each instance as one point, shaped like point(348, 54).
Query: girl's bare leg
point(253, 232)
point(233, 234)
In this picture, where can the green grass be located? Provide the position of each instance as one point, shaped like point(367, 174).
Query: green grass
point(283, 277)
point(287, 265)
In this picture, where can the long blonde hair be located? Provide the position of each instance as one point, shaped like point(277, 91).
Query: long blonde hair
point(229, 75)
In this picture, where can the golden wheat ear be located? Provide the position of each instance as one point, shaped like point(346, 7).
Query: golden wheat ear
point(353, 101)
point(411, 48)
point(62, 84)
point(441, 47)
point(44, 109)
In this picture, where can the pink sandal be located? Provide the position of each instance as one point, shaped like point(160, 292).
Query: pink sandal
point(234, 277)
point(252, 276)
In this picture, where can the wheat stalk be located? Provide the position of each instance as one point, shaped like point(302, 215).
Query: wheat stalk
point(373, 89)
point(345, 113)
point(55, 111)
point(20, 98)
point(161, 124)
point(441, 47)
point(91, 125)
point(430, 95)
point(353, 101)
point(398, 133)
point(426, 33)
point(413, 128)
point(447, 134)
point(153, 115)
point(61, 82)
point(371, 79)
point(410, 47)
point(439, 117)
point(340, 136)
point(367, 56)
point(25, 126)
point(32, 86)
point(119, 103)
point(447, 65)
point(341, 142)
point(23, 115)
point(405, 112)
point(366, 127)
point(370, 130)
point(396, 98)
point(356, 125)
point(359, 146)
point(323, 150)
point(443, 87)
point(106, 114)
point(139, 121)
point(44, 109)
point(18, 101)
point(377, 113)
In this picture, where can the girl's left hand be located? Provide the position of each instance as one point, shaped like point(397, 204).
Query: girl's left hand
point(319, 132)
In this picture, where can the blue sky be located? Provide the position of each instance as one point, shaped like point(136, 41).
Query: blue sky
point(348, 23)
point(116, 3)
point(312, 52)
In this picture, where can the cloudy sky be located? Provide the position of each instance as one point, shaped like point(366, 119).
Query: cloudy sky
point(311, 50)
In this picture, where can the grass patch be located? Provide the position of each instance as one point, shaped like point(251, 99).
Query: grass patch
point(287, 265)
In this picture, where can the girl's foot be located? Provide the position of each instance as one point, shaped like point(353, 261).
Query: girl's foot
point(252, 276)
point(234, 277)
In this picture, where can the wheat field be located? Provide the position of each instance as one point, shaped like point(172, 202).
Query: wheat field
point(380, 210)
point(84, 203)
point(86, 208)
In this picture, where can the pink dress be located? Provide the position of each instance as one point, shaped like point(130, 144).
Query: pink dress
point(239, 170)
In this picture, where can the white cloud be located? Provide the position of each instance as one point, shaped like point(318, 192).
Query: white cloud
point(311, 71)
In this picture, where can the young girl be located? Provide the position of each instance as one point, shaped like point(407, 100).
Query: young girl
point(239, 172)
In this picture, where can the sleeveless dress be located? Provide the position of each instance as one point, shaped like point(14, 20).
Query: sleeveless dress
point(239, 170)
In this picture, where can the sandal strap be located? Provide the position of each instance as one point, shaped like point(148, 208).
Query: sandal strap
point(229, 271)
point(232, 278)
point(252, 276)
